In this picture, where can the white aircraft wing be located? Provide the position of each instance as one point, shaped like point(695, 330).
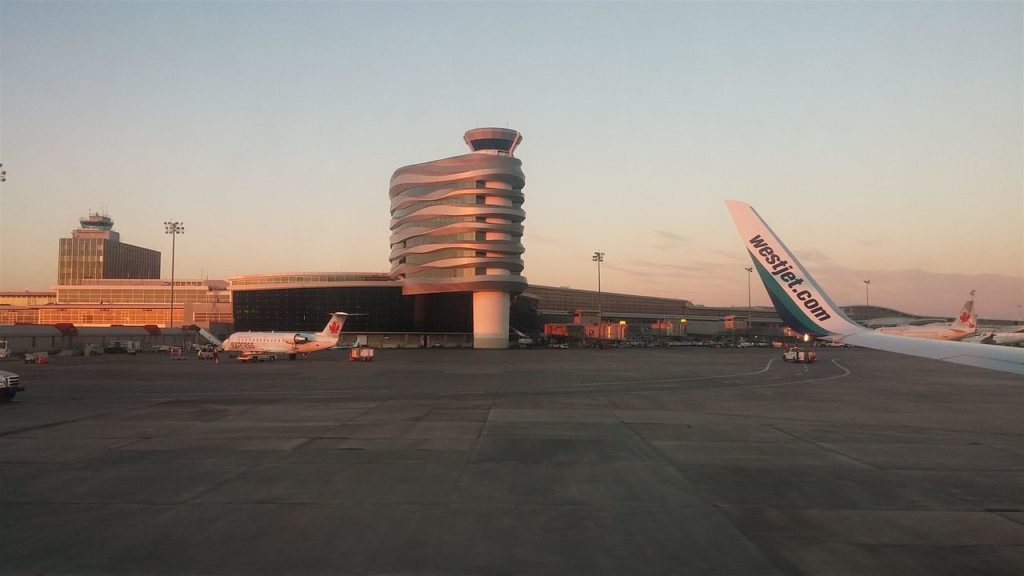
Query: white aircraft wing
point(804, 306)
point(1000, 358)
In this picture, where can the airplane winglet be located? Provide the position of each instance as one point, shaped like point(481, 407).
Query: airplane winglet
point(804, 306)
point(799, 300)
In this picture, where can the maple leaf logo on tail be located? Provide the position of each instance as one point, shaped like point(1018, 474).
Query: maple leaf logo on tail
point(334, 328)
point(965, 316)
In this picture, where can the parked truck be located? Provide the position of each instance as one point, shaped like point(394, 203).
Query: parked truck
point(257, 357)
point(123, 347)
point(10, 385)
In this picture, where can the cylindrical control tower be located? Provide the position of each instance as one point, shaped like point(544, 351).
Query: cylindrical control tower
point(457, 226)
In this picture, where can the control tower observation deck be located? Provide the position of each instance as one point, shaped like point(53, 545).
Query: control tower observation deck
point(457, 226)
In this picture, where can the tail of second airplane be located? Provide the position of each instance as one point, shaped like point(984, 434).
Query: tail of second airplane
point(333, 328)
point(967, 320)
point(800, 302)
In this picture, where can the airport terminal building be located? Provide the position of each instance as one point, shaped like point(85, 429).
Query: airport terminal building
point(383, 315)
point(456, 276)
point(102, 281)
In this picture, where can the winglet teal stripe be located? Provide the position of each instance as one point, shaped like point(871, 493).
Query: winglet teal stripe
point(788, 311)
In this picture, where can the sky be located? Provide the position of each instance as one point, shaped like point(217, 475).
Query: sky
point(881, 141)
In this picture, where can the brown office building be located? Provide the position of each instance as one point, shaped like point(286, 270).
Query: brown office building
point(95, 252)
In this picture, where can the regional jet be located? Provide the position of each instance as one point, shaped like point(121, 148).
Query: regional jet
point(966, 324)
point(1012, 338)
point(290, 343)
point(803, 305)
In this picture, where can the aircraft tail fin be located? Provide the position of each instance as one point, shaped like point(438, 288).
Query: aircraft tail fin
point(967, 320)
point(334, 326)
point(801, 303)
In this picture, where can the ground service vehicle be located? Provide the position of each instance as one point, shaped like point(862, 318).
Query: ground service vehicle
point(10, 384)
point(797, 354)
point(123, 347)
point(37, 358)
point(257, 357)
point(360, 354)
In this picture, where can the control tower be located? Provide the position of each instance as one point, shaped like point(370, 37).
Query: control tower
point(457, 226)
point(95, 252)
point(95, 225)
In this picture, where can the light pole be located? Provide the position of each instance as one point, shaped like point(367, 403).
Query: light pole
point(3, 178)
point(172, 228)
point(598, 257)
point(867, 295)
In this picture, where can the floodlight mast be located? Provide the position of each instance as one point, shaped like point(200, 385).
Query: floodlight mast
point(598, 257)
point(173, 228)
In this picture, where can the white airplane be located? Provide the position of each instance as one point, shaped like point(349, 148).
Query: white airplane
point(290, 343)
point(1003, 338)
point(805, 307)
point(966, 324)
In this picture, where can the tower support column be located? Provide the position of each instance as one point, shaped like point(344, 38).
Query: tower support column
point(490, 319)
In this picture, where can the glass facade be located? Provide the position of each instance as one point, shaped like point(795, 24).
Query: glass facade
point(85, 294)
point(568, 299)
point(89, 316)
point(375, 309)
point(464, 199)
point(438, 255)
point(129, 302)
point(109, 316)
point(86, 258)
point(206, 318)
point(27, 298)
point(11, 315)
point(309, 278)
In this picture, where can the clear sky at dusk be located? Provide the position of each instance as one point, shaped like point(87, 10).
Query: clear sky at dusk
point(881, 141)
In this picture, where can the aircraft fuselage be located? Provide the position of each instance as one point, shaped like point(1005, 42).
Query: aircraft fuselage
point(926, 332)
point(279, 342)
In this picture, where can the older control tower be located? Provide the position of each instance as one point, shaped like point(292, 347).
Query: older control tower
point(457, 226)
point(95, 251)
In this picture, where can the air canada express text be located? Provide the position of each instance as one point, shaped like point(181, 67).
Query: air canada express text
point(784, 271)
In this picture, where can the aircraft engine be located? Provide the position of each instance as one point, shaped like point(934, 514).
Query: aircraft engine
point(299, 339)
